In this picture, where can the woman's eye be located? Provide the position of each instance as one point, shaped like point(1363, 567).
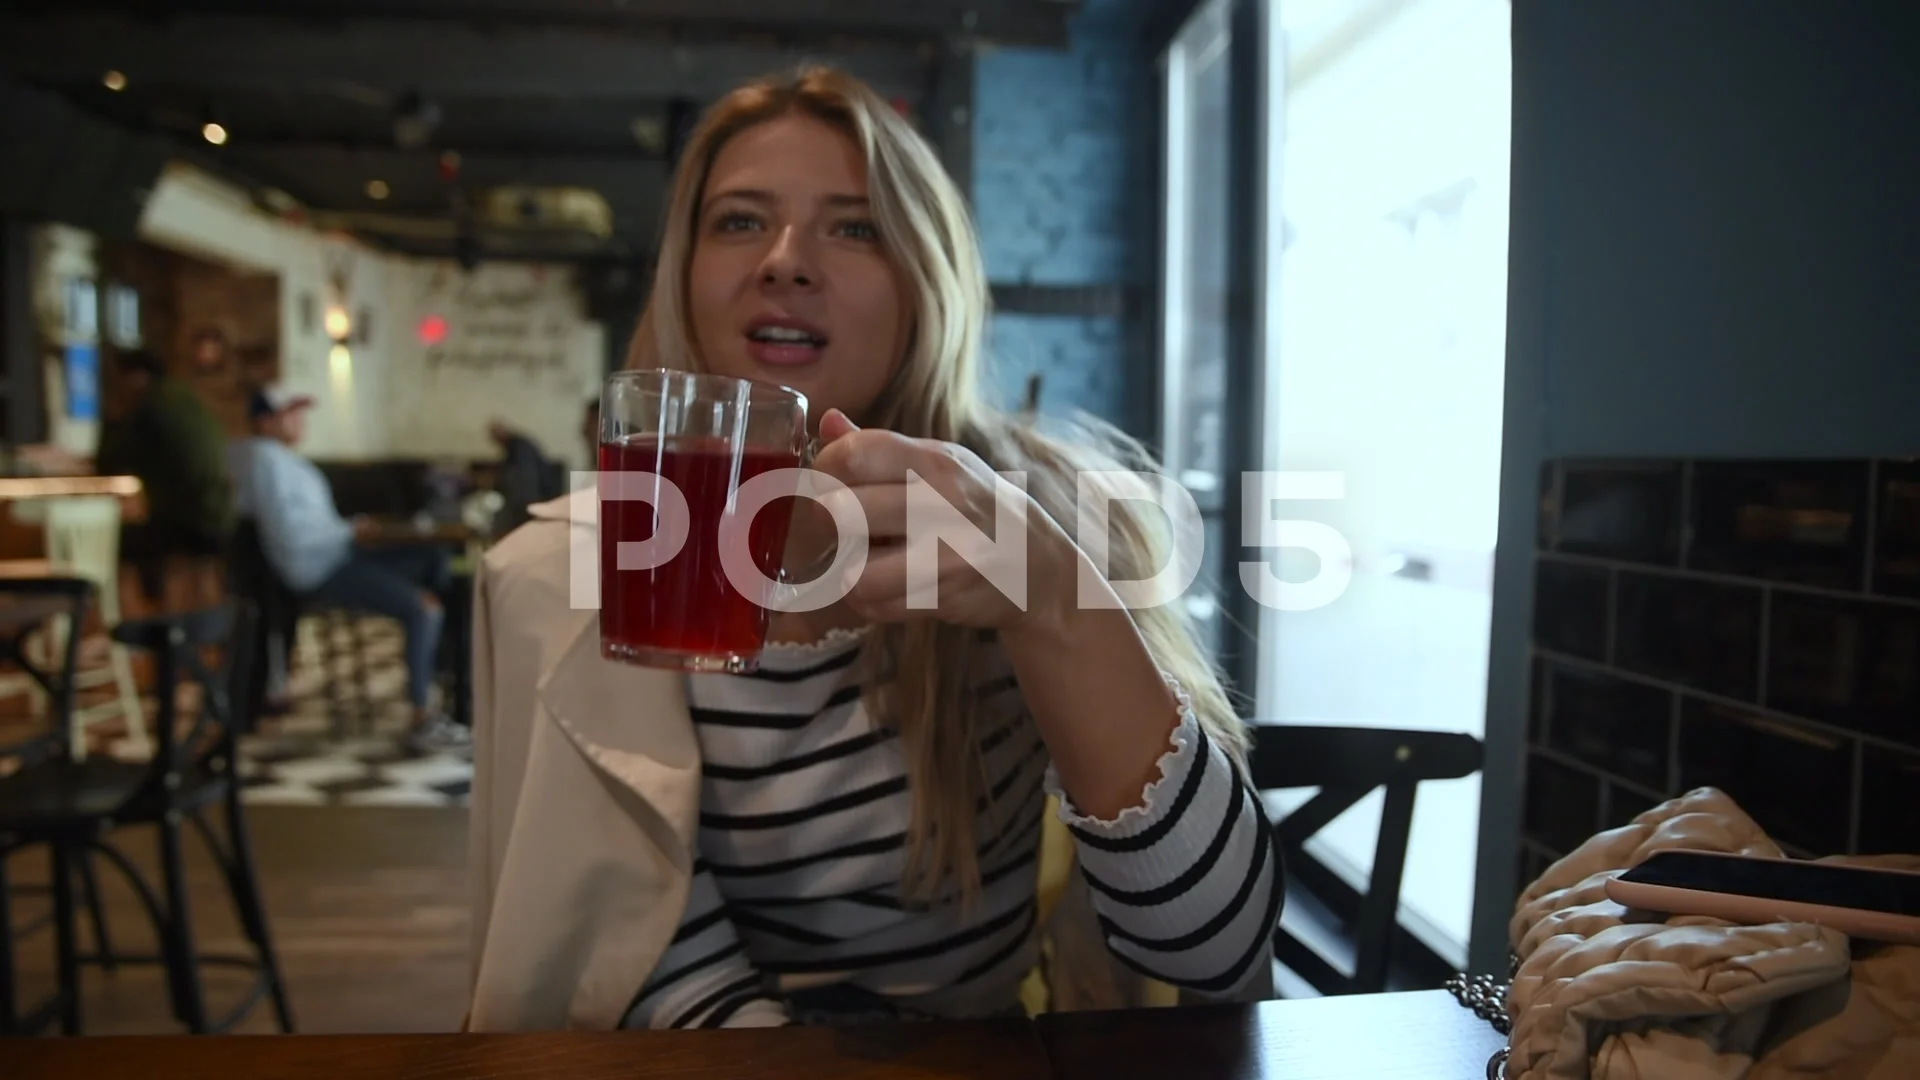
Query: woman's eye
point(735, 223)
point(859, 230)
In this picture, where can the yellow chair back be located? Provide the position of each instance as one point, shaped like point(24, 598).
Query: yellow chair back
point(1056, 872)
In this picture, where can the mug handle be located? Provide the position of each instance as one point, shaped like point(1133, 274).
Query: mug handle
point(819, 563)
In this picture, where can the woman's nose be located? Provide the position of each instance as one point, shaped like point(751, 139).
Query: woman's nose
point(788, 262)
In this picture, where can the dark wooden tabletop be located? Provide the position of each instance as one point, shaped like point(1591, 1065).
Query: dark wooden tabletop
point(1008, 1049)
point(1383, 1037)
point(1425, 1035)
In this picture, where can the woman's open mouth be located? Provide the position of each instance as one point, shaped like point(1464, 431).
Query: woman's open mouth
point(782, 343)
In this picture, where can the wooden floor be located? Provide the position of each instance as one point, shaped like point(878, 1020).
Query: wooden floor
point(367, 907)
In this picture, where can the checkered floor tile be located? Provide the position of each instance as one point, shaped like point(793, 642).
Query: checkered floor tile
point(303, 758)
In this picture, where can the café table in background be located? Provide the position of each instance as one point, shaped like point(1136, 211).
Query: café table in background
point(1424, 1035)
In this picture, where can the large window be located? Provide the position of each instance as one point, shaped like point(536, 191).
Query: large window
point(1334, 300)
point(1387, 161)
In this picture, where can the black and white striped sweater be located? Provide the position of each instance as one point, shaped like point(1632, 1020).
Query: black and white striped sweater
point(803, 817)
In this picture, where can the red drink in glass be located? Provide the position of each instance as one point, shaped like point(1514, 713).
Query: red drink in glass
point(707, 436)
point(687, 606)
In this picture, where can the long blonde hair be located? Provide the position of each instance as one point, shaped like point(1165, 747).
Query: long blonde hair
point(922, 675)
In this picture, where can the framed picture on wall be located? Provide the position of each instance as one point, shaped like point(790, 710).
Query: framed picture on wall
point(83, 381)
point(80, 309)
point(123, 316)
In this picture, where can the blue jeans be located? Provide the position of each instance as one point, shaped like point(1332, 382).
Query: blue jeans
point(389, 581)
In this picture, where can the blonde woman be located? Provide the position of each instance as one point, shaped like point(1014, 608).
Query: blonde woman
point(852, 830)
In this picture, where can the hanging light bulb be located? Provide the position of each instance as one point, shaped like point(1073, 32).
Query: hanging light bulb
point(214, 133)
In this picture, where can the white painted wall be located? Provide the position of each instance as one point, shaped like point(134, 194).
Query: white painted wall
point(517, 349)
point(390, 398)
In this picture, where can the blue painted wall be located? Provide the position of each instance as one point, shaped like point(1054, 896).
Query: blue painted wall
point(1063, 167)
point(1715, 253)
point(1732, 264)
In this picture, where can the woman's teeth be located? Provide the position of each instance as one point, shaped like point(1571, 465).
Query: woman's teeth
point(780, 335)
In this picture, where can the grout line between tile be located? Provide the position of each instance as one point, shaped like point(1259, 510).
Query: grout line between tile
point(1576, 559)
point(1540, 849)
point(1560, 757)
point(1558, 490)
point(1541, 698)
point(1872, 524)
point(1856, 797)
point(1709, 696)
point(1686, 513)
point(1611, 651)
point(1675, 709)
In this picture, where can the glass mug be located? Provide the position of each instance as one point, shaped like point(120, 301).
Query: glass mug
point(709, 435)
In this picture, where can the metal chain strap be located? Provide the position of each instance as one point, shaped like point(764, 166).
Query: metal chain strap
point(1487, 997)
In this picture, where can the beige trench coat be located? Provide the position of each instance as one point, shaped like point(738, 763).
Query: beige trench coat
point(582, 821)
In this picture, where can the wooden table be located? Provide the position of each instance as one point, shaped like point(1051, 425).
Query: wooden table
point(66, 487)
point(1383, 1037)
point(399, 532)
point(1424, 1035)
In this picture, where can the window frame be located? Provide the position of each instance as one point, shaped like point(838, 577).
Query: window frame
point(1243, 448)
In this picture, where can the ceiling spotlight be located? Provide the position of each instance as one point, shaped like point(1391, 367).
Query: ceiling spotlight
point(415, 119)
point(214, 133)
point(377, 189)
point(650, 132)
point(114, 80)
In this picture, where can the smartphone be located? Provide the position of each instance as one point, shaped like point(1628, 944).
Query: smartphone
point(1878, 905)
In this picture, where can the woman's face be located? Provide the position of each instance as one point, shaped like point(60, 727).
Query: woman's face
point(789, 283)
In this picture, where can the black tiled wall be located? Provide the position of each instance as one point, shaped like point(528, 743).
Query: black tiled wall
point(1752, 625)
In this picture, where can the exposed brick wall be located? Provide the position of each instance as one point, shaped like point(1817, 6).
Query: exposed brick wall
point(1063, 161)
point(180, 296)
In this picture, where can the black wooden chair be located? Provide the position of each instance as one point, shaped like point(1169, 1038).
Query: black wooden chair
point(72, 807)
point(1347, 764)
point(32, 601)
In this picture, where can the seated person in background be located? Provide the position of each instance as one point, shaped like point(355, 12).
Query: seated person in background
point(165, 435)
point(590, 431)
point(315, 552)
point(525, 476)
